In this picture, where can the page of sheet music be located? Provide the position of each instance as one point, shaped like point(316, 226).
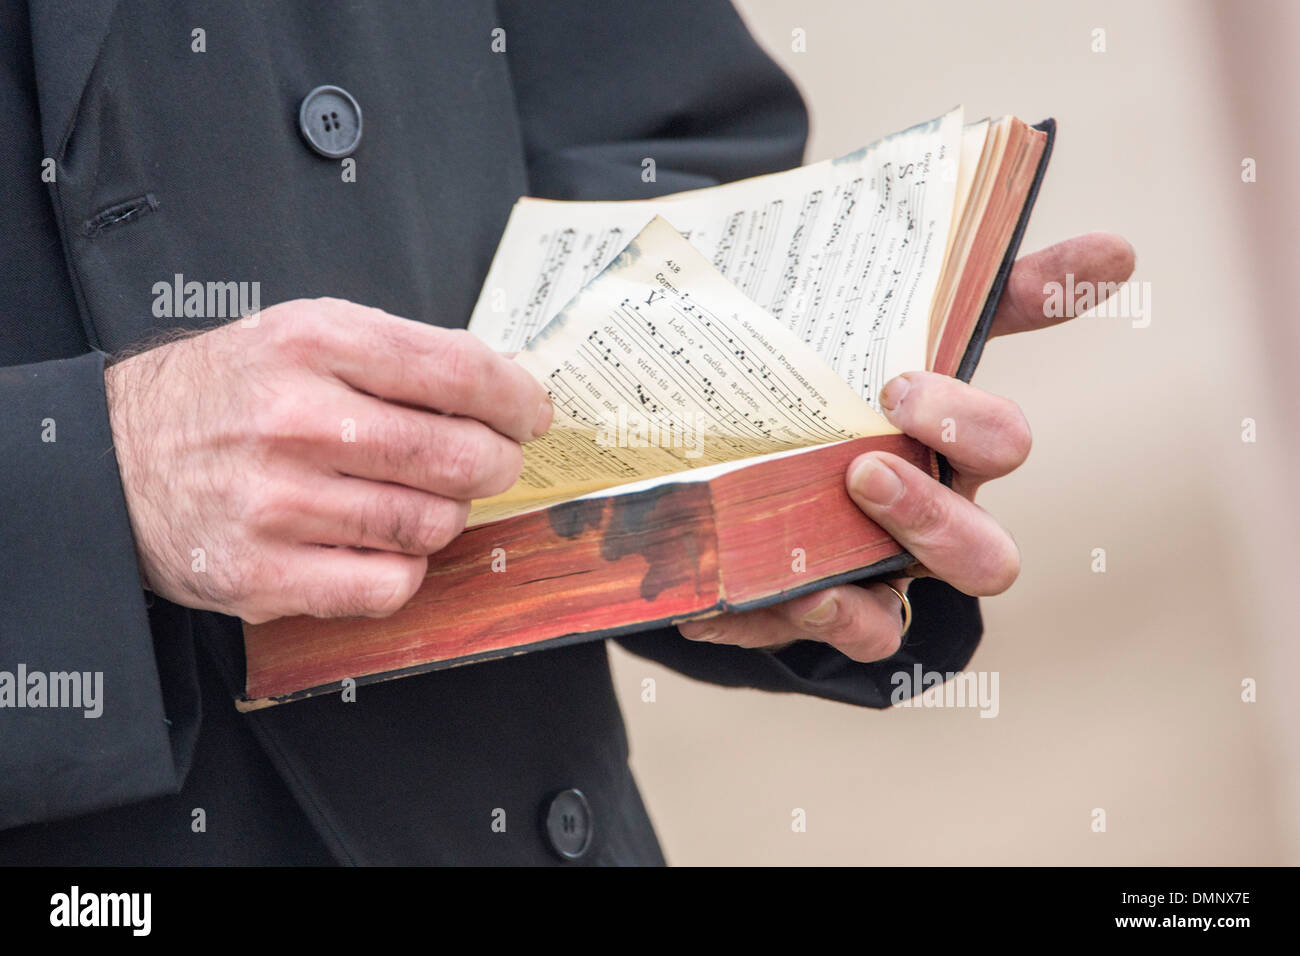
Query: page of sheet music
point(660, 365)
point(846, 253)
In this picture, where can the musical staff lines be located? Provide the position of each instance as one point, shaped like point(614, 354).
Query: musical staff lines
point(607, 246)
point(794, 256)
point(846, 254)
point(689, 352)
point(537, 307)
point(760, 239)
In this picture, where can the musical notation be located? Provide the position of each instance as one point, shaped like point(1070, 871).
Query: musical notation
point(661, 365)
point(845, 253)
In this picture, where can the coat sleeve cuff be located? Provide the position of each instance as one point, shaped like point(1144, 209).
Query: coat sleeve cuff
point(83, 724)
point(945, 632)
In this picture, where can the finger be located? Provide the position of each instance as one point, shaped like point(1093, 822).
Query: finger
point(338, 582)
point(983, 435)
point(446, 455)
point(953, 537)
point(865, 623)
point(444, 370)
point(1098, 257)
point(350, 512)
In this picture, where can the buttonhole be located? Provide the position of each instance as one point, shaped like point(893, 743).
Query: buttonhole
point(119, 213)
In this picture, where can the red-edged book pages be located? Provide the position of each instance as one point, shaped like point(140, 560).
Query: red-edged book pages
point(601, 566)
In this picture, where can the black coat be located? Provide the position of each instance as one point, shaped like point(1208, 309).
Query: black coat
point(205, 148)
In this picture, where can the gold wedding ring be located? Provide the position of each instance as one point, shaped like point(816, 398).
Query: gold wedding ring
point(907, 609)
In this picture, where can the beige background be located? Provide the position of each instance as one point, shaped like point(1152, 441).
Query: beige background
point(1119, 690)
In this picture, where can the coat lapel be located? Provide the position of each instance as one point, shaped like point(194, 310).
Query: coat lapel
point(66, 39)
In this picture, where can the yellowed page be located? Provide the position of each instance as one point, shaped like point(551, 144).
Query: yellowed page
point(660, 365)
point(973, 139)
point(966, 228)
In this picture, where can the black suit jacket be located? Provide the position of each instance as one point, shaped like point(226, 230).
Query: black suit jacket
point(416, 770)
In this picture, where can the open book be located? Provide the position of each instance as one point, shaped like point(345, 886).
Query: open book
point(715, 359)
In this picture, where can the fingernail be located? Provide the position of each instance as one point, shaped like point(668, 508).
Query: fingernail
point(875, 481)
point(545, 413)
point(892, 394)
point(709, 635)
point(823, 613)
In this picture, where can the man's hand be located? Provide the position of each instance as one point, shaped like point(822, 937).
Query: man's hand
point(308, 463)
point(941, 527)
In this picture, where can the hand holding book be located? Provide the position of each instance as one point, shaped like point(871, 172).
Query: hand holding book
point(949, 535)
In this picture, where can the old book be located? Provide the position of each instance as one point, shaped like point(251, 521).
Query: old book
point(715, 358)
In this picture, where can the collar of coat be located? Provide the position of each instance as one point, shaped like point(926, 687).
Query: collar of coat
point(67, 36)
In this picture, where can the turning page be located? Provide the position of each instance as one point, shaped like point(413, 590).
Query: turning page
point(660, 365)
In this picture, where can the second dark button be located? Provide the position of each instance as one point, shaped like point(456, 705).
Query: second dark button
point(568, 824)
point(330, 121)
